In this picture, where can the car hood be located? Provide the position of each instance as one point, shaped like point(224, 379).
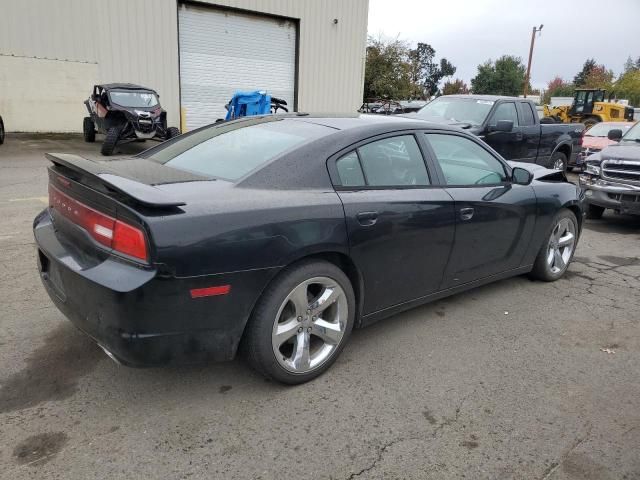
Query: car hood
point(618, 151)
point(596, 142)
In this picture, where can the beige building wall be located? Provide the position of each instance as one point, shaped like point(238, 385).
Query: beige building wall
point(53, 51)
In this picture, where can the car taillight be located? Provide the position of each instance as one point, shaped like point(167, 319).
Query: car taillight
point(108, 231)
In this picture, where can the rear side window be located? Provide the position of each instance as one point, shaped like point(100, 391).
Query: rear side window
point(349, 171)
point(230, 151)
point(528, 118)
point(464, 162)
point(393, 162)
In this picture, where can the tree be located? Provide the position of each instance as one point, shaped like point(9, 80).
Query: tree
point(426, 74)
point(455, 87)
point(387, 72)
point(581, 76)
point(558, 88)
point(599, 77)
point(630, 65)
point(628, 86)
point(504, 77)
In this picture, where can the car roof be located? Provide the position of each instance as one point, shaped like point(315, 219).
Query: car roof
point(346, 122)
point(124, 86)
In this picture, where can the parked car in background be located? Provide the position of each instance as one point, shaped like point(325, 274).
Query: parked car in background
point(596, 138)
point(611, 177)
point(124, 113)
point(385, 106)
point(511, 126)
point(279, 234)
point(1, 131)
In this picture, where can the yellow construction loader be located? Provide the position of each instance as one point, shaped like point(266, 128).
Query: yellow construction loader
point(589, 107)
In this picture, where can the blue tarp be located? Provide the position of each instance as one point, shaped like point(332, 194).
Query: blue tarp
point(246, 104)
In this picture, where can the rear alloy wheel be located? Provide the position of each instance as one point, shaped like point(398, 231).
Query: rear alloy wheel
point(559, 161)
point(556, 254)
point(594, 212)
point(301, 323)
point(88, 130)
point(110, 141)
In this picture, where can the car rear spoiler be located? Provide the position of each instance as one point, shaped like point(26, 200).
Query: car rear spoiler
point(142, 193)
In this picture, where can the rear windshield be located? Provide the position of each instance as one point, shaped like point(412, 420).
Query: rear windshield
point(230, 151)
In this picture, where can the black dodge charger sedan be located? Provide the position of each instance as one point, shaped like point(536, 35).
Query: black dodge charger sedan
point(277, 235)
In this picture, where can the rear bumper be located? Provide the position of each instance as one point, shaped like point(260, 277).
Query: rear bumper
point(143, 318)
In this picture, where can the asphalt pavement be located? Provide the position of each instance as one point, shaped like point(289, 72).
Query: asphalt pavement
point(515, 380)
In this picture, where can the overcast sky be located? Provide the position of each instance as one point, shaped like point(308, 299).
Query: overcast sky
point(468, 32)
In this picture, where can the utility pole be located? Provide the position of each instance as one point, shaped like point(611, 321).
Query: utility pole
point(533, 40)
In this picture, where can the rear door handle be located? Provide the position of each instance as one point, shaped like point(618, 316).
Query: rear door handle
point(367, 219)
point(466, 213)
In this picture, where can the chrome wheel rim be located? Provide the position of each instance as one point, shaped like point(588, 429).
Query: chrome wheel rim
point(559, 164)
point(561, 244)
point(310, 325)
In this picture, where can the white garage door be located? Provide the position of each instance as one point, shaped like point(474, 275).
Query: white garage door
point(222, 51)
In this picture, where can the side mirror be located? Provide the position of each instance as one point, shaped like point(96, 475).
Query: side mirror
point(521, 176)
point(615, 134)
point(503, 126)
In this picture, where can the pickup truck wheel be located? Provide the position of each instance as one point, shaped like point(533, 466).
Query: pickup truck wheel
point(559, 161)
point(110, 141)
point(557, 251)
point(594, 212)
point(88, 130)
point(301, 323)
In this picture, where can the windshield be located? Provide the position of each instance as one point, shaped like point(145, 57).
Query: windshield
point(126, 98)
point(464, 110)
point(602, 129)
point(230, 151)
point(633, 134)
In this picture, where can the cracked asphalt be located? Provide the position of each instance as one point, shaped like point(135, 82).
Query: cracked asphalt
point(515, 380)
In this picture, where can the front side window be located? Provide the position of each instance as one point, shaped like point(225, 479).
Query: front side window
point(133, 99)
point(393, 162)
point(505, 111)
point(464, 162)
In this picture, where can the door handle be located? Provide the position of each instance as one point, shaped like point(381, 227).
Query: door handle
point(367, 219)
point(466, 213)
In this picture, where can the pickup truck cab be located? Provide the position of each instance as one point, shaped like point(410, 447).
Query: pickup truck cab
point(511, 126)
point(611, 177)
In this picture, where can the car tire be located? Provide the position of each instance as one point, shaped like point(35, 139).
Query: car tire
point(282, 321)
point(594, 212)
point(556, 253)
point(110, 141)
point(88, 130)
point(559, 161)
point(1, 131)
point(172, 132)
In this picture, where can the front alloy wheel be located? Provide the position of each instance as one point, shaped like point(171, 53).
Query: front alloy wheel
point(561, 244)
point(555, 255)
point(309, 325)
